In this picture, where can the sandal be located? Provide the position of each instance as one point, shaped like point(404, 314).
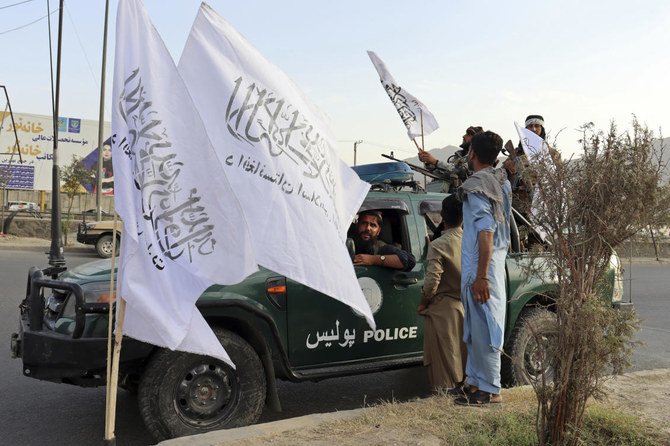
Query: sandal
point(478, 398)
point(457, 391)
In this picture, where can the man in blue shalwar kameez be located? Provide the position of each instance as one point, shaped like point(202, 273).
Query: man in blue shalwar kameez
point(487, 204)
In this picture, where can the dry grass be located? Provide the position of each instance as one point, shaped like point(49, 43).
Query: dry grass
point(438, 421)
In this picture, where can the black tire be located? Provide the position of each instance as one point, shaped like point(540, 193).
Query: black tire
point(104, 246)
point(530, 348)
point(185, 394)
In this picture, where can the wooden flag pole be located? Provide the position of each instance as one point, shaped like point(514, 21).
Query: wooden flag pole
point(417, 145)
point(423, 147)
point(113, 351)
point(110, 439)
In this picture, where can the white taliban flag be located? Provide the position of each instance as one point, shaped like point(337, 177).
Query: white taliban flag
point(184, 229)
point(279, 156)
point(534, 146)
point(411, 110)
point(532, 143)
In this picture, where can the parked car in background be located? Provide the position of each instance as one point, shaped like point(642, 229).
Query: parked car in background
point(27, 206)
point(94, 211)
point(100, 234)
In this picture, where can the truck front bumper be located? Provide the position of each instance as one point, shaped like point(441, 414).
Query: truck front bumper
point(66, 357)
point(84, 237)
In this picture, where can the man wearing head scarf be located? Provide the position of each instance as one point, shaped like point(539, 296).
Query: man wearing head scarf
point(535, 123)
point(522, 188)
point(487, 207)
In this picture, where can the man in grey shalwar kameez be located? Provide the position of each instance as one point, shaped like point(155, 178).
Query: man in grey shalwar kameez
point(487, 198)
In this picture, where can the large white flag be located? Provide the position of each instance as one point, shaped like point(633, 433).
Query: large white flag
point(184, 229)
point(411, 110)
point(278, 154)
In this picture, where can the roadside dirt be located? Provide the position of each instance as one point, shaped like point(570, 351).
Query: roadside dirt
point(644, 393)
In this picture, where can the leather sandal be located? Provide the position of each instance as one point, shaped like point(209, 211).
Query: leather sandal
point(478, 398)
point(458, 391)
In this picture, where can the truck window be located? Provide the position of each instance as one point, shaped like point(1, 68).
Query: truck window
point(394, 228)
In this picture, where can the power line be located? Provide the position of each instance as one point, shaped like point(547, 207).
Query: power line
point(28, 24)
point(76, 33)
point(15, 4)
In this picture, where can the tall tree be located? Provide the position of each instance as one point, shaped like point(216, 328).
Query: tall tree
point(588, 206)
point(73, 176)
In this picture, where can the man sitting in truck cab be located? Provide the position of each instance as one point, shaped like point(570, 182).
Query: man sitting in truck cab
point(371, 251)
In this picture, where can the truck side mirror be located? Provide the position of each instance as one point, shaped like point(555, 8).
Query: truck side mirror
point(351, 247)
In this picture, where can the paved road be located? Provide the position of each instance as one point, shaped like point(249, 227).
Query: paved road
point(651, 295)
point(38, 413)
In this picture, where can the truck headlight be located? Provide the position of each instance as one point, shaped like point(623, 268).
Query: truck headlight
point(97, 292)
point(94, 292)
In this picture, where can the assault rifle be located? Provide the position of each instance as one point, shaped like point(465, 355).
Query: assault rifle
point(453, 175)
point(422, 170)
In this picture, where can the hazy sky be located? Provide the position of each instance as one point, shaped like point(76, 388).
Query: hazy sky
point(485, 63)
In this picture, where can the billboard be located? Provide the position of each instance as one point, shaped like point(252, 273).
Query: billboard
point(76, 136)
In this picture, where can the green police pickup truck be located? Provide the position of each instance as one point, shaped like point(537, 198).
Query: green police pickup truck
point(274, 328)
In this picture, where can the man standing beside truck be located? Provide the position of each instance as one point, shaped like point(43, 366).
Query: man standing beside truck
point(487, 206)
point(444, 352)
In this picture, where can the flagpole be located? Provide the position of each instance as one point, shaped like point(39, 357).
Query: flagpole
point(113, 351)
point(423, 147)
point(110, 439)
point(417, 145)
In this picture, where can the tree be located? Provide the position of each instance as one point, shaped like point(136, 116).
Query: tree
point(72, 177)
point(588, 206)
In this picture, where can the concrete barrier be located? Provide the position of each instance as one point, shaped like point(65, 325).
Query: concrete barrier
point(644, 248)
point(34, 227)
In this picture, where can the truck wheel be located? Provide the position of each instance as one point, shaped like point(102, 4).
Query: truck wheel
point(104, 246)
point(529, 350)
point(185, 394)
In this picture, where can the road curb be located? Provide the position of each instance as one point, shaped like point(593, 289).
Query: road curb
point(39, 244)
point(221, 437)
point(10, 246)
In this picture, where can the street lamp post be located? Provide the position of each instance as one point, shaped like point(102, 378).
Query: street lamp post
point(356, 143)
point(56, 258)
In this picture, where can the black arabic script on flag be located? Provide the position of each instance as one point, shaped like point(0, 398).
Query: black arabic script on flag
point(400, 102)
point(179, 222)
point(256, 114)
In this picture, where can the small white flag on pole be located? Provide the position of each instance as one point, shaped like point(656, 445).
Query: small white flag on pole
point(279, 155)
point(534, 146)
point(411, 110)
point(184, 229)
point(532, 143)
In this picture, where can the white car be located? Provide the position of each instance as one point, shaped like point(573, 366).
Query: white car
point(22, 206)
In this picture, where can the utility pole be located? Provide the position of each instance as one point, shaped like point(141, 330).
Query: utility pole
point(101, 120)
point(356, 143)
